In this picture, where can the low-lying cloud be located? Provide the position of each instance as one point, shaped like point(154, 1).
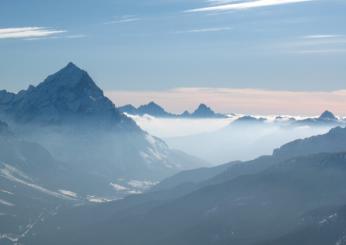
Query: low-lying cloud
point(216, 141)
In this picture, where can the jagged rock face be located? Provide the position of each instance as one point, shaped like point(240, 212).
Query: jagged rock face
point(66, 96)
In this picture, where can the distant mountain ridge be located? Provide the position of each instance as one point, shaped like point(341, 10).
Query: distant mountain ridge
point(153, 109)
point(327, 118)
point(333, 141)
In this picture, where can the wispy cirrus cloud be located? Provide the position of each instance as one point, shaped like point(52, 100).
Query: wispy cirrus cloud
point(202, 30)
point(123, 19)
point(28, 32)
point(214, 2)
point(73, 36)
point(322, 44)
point(321, 36)
point(242, 5)
point(322, 51)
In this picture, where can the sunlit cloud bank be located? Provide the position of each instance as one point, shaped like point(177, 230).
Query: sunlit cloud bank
point(245, 101)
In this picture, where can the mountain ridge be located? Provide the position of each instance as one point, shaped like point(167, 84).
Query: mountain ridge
point(153, 109)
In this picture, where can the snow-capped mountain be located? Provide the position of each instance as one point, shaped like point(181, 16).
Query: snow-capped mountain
point(68, 96)
point(69, 115)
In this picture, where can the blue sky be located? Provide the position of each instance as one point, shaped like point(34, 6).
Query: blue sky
point(126, 45)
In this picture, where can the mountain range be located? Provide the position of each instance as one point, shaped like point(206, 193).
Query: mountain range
point(155, 110)
point(203, 111)
point(327, 118)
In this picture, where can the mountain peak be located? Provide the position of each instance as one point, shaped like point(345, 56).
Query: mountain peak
point(203, 111)
point(327, 115)
point(67, 96)
point(153, 104)
point(72, 65)
point(204, 108)
point(153, 109)
point(69, 81)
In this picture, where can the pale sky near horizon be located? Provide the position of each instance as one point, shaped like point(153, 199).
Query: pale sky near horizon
point(248, 56)
point(243, 101)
